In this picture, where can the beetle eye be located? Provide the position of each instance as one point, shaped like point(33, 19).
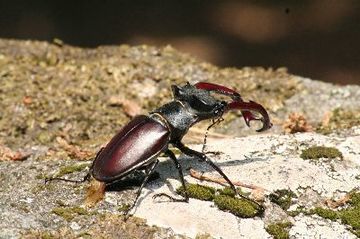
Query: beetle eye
point(220, 108)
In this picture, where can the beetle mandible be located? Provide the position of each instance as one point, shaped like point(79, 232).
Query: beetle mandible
point(138, 144)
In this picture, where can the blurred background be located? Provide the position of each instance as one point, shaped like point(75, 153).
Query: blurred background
point(319, 39)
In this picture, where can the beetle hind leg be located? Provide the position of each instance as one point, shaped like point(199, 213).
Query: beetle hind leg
point(86, 178)
point(203, 158)
point(181, 175)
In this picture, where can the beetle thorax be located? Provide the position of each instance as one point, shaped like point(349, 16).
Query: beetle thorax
point(177, 117)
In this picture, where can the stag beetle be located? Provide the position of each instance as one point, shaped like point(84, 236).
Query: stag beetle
point(137, 145)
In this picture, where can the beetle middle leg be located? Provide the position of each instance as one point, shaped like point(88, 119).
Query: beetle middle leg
point(203, 157)
point(181, 175)
point(148, 171)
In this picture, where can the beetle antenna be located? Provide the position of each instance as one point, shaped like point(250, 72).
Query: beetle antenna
point(214, 122)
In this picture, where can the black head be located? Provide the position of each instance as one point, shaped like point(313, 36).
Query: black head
point(200, 102)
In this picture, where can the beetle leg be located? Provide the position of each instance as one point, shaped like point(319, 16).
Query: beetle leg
point(178, 167)
point(86, 178)
point(149, 171)
point(190, 152)
point(214, 122)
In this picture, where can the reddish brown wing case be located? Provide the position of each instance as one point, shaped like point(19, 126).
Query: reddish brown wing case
point(136, 144)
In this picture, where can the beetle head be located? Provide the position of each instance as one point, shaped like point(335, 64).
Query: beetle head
point(246, 108)
point(200, 102)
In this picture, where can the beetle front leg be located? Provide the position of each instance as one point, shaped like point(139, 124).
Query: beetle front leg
point(190, 152)
point(178, 167)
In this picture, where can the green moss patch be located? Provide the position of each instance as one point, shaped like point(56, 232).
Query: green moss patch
point(282, 197)
point(317, 152)
point(325, 213)
point(340, 119)
point(349, 215)
point(124, 207)
point(297, 211)
point(226, 191)
point(71, 169)
point(224, 199)
point(279, 230)
point(204, 236)
point(69, 213)
point(237, 206)
point(197, 191)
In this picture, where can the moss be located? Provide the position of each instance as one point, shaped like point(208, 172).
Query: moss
point(282, 197)
point(47, 235)
point(340, 119)
point(317, 152)
point(198, 191)
point(124, 207)
point(69, 213)
point(42, 187)
point(38, 234)
point(203, 236)
point(44, 137)
point(71, 168)
point(349, 215)
point(41, 176)
point(279, 230)
point(355, 198)
point(325, 213)
point(226, 191)
point(224, 199)
point(297, 211)
point(237, 206)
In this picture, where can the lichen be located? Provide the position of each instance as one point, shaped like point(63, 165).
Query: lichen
point(279, 230)
point(237, 206)
point(197, 191)
point(282, 197)
point(317, 152)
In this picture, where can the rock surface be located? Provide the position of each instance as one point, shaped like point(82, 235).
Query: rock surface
point(60, 104)
point(269, 161)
